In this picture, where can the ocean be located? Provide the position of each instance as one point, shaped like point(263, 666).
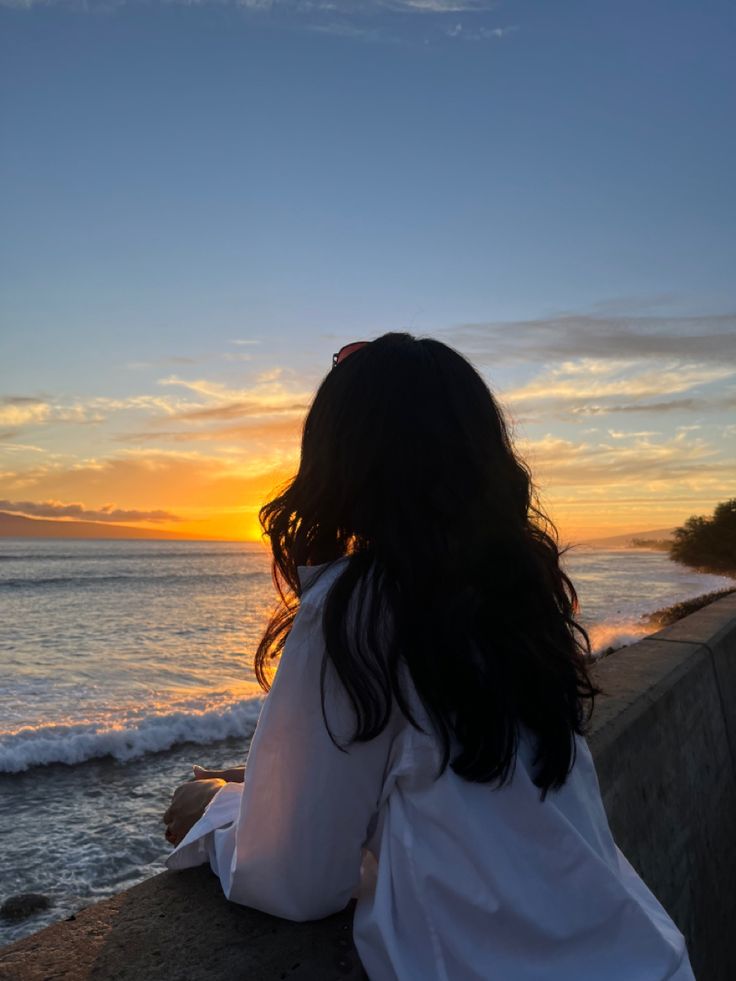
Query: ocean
point(124, 662)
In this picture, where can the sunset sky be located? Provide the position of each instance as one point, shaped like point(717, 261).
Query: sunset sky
point(201, 201)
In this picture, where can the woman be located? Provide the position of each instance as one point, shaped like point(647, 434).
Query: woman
point(422, 743)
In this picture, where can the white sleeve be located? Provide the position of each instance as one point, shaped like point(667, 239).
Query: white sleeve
point(288, 841)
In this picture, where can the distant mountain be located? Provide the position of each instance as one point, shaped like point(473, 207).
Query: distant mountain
point(624, 541)
point(18, 526)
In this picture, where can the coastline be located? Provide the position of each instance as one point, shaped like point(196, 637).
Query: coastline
point(137, 755)
point(667, 615)
point(660, 741)
point(671, 614)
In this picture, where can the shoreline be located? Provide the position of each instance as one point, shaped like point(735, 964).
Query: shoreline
point(660, 744)
point(73, 840)
point(667, 615)
point(671, 614)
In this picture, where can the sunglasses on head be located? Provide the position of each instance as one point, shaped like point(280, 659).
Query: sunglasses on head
point(346, 351)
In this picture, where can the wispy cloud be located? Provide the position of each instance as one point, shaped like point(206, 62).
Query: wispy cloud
point(25, 411)
point(438, 6)
point(592, 365)
point(239, 410)
point(59, 510)
point(709, 338)
point(715, 403)
point(479, 33)
point(20, 410)
point(271, 431)
point(346, 29)
point(575, 382)
point(642, 434)
point(639, 465)
point(269, 393)
point(384, 21)
point(185, 479)
point(301, 7)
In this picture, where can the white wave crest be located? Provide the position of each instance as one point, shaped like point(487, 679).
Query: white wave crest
point(72, 744)
point(611, 635)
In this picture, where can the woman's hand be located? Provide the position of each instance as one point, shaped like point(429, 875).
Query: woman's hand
point(235, 774)
point(187, 806)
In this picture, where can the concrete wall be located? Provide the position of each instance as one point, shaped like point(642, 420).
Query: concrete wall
point(663, 738)
point(664, 744)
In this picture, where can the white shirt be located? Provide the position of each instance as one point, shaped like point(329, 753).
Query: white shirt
point(456, 881)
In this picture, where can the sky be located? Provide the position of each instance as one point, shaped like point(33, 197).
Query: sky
point(201, 201)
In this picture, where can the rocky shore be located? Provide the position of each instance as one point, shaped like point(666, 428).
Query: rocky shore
point(671, 614)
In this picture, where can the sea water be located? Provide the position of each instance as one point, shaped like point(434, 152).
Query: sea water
point(123, 662)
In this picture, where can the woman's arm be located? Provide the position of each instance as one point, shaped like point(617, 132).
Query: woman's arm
point(235, 774)
point(188, 804)
point(289, 839)
point(190, 800)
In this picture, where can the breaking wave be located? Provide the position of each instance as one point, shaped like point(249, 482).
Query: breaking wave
point(611, 635)
point(72, 744)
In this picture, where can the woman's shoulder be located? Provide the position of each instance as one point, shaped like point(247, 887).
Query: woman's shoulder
point(315, 580)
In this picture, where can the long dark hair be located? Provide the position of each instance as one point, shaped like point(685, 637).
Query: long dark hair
point(408, 469)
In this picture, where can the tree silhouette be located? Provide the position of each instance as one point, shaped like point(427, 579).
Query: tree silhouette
point(708, 543)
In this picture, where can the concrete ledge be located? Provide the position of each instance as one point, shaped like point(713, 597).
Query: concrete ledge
point(667, 780)
point(662, 736)
point(713, 627)
point(178, 927)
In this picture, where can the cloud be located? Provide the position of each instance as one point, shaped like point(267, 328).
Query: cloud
point(185, 479)
point(384, 21)
point(267, 415)
point(593, 364)
point(641, 466)
point(108, 512)
point(29, 412)
point(268, 394)
point(19, 447)
point(262, 419)
point(617, 434)
point(345, 29)
point(239, 410)
point(580, 381)
point(475, 33)
point(21, 400)
point(670, 405)
point(87, 6)
point(302, 7)
point(278, 431)
point(438, 6)
point(21, 410)
point(707, 338)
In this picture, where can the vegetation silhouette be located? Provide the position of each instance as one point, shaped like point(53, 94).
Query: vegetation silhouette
point(708, 543)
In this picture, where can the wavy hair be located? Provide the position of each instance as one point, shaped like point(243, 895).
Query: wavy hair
point(407, 468)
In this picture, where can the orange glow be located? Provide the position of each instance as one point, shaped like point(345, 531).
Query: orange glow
point(216, 493)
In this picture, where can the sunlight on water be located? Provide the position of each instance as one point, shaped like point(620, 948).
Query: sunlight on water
point(618, 588)
point(122, 663)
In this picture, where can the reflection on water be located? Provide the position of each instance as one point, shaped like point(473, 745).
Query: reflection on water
point(121, 663)
point(618, 588)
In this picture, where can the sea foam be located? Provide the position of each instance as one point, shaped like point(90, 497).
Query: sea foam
point(71, 744)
